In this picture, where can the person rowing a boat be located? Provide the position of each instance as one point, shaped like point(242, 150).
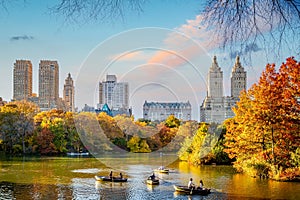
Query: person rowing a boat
point(152, 177)
point(110, 174)
point(191, 185)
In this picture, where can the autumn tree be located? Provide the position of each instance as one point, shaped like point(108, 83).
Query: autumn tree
point(8, 130)
point(185, 130)
point(16, 121)
point(265, 131)
point(197, 148)
point(45, 143)
point(138, 145)
point(172, 122)
point(62, 125)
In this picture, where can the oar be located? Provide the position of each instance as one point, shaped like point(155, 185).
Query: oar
point(191, 192)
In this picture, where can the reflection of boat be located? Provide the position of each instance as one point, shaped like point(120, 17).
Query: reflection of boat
point(162, 169)
point(78, 154)
point(152, 181)
point(110, 179)
point(186, 190)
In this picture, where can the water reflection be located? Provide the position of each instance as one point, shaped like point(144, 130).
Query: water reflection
point(67, 178)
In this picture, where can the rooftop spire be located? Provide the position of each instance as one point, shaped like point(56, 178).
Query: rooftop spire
point(215, 59)
point(214, 64)
point(237, 64)
point(237, 59)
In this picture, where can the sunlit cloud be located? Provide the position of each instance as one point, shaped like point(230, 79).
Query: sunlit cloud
point(131, 56)
point(187, 42)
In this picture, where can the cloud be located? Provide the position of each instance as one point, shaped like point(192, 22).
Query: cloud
point(175, 58)
point(130, 56)
point(187, 42)
point(23, 37)
point(250, 48)
point(253, 47)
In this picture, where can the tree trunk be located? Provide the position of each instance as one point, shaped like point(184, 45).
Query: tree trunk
point(273, 154)
point(23, 142)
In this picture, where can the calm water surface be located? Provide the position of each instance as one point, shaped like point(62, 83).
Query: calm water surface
point(73, 178)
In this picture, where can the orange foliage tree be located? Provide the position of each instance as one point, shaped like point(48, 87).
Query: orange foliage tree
point(265, 131)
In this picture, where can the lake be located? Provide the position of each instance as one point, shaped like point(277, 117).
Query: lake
point(73, 178)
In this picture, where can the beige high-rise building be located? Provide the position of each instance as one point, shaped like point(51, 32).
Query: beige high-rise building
point(69, 92)
point(48, 84)
point(238, 79)
point(216, 107)
point(22, 86)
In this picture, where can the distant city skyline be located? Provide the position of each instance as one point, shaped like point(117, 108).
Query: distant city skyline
point(167, 66)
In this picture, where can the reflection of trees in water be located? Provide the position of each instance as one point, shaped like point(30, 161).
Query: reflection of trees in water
point(33, 191)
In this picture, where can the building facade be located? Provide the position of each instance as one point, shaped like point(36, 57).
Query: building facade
point(158, 111)
point(48, 84)
point(69, 94)
point(216, 107)
point(22, 83)
point(114, 94)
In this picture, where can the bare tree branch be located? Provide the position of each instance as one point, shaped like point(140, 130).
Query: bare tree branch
point(274, 23)
point(96, 10)
point(242, 22)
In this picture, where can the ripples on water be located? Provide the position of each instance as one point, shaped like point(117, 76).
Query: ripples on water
point(74, 179)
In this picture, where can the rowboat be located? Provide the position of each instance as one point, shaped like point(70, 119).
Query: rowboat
point(78, 154)
point(152, 181)
point(162, 170)
point(186, 190)
point(110, 179)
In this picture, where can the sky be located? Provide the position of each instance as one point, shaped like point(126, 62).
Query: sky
point(162, 52)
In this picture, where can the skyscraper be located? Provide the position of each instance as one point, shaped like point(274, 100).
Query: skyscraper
point(22, 83)
point(69, 92)
point(48, 84)
point(215, 80)
point(215, 106)
point(238, 79)
point(114, 94)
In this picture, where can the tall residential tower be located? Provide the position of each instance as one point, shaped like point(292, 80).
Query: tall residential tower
point(22, 74)
point(48, 84)
point(238, 79)
point(114, 94)
point(215, 106)
point(69, 92)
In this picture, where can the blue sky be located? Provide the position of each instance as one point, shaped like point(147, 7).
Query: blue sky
point(143, 49)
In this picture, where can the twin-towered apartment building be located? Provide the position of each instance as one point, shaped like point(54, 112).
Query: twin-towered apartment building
point(114, 95)
point(48, 94)
point(215, 107)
